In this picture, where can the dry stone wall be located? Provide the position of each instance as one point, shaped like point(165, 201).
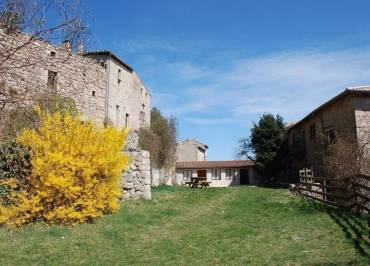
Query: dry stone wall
point(136, 180)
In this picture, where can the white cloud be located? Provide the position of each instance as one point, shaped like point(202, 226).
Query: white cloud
point(288, 83)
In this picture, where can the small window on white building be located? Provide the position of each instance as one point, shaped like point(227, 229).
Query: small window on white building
point(118, 114)
point(119, 76)
point(230, 174)
point(216, 174)
point(187, 174)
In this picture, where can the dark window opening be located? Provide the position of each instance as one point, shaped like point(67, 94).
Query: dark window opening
point(119, 76)
point(313, 131)
point(53, 54)
point(304, 139)
point(142, 117)
point(93, 93)
point(127, 119)
point(118, 114)
point(52, 80)
point(331, 137)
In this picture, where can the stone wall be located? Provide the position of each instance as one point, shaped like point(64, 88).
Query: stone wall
point(27, 71)
point(136, 180)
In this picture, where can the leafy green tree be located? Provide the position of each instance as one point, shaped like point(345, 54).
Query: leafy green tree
point(264, 145)
point(160, 139)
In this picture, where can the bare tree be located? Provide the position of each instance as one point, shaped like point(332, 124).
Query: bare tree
point(348, 160)
point(25, 22)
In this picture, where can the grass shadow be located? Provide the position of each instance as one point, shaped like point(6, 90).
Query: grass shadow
point(354, 226)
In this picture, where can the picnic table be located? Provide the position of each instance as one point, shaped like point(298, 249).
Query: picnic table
point(197, 182)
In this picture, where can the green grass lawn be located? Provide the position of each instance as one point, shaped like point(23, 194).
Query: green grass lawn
point(234, 226)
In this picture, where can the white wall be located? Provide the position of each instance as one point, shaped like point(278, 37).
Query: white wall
point(219, 183)
point(130, 95)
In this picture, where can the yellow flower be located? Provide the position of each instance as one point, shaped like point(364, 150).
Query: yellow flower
point(76, 171)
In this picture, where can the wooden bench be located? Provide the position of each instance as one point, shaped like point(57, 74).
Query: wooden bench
point(187, 183)
point(205, 184)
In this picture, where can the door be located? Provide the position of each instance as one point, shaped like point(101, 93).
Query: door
point(202, 173)
point(244, 176)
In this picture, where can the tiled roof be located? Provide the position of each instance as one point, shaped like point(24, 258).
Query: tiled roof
point(213, 164)
point(356, 90)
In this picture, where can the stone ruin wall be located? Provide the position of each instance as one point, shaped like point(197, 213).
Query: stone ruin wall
point(136, 181)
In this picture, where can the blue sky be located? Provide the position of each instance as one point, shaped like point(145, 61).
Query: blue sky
point(218, 65)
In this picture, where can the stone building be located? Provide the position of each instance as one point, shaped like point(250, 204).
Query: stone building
point(347, 115)
point(102, 85)
point(191, 150)
point(41, 66)
point(128, 101)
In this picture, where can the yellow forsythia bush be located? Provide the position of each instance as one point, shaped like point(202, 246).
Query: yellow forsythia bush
point(76, 169)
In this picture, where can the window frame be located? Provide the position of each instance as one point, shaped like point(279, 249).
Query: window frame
point(186, 177)
point(231, 175)
point(217, 176)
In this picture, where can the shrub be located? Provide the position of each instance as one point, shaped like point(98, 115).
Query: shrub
point(15, 162)
point(14, 119)
point(76, 169)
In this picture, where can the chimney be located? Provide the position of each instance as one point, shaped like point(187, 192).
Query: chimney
point(66, 45)
point(80, 49)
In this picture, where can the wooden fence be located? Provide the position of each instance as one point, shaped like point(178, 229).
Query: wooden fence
point(354, 195)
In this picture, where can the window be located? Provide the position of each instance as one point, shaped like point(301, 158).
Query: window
point(53, 54)
point(142, 117)
point(331, 136)
point(119, 76)
point(127, 119)
point(118, 114)
point(52, 80)
point(216, 174)
point(187, 174)
point(313, 131)
point(230, 174)
point(93, 93)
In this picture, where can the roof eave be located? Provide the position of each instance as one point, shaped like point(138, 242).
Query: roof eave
point(344, 93)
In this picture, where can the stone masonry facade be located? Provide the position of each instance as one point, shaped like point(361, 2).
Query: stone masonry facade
point(346, 116)
point(42, 66)
point(137, 180)
point(74, 76)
